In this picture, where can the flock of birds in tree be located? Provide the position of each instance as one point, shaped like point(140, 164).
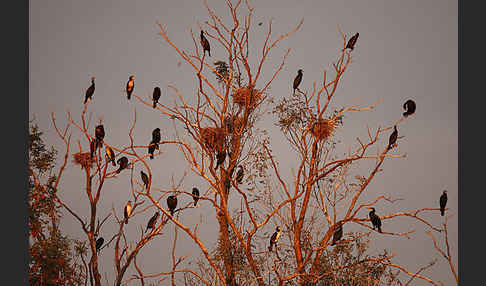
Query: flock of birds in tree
point(409, 106)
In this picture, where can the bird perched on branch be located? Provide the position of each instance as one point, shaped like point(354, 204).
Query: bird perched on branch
point(92, 148)
point(110, 154)
point(122, 163)
point(409, 107)
point(151, 150)
point(130, 86)
point(338, 234)
point(127, 211)
point(172, 204)
point(153, 220)
point(99, 243)
point(156, 95)
point(275, 237)
point(100, 135)
point(393, 137)
point(220, 157)
point(205, 44)
point(195, 195)
point(145, 178)
point(375, 220)
point(443, 202)
point(239, 175)
point(156, 138)
point(352, 42)
point(298, 79)
point(90, 91)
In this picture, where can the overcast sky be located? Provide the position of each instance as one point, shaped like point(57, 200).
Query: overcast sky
point(406, 50)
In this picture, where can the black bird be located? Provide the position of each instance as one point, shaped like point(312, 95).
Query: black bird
point(352, 42)
point(172, 204)
point(99, 243)
point(375, 220)
point(156, 137)
point(298, 79)
point(156, 95)
point(123, 163)
point(130, 86)
point(205, 44)
point(153, 220)
point(239, 175)
point(275, 237)
point(409, 107)
point(338, 234)
point(111, 155)
point(127, 211)
point(92, 148)
point(100, 135)
point(145, 178)
point(443, 202)
point(393, 137)
point(220, 157)
point(151, 149)
point(195, 195)
point(90, 91)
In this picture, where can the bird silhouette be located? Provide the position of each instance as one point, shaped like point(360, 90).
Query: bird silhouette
point(298, 79)
point(127, 211)
point(90, 91)
point(122, 163)
point(195, 195)
point(153, 220)
point(375, 220)
point(239, 175)
point(443, 202)
point(205, 44)
point(274, 238)
point(393, 137)
point(338, 234)
point(145, 178)
point(100, 135)
point(156, 138)
point(409, 106)
point(111, 155)
point(352, 42)
point(156, 96)
point(151, 150)
point(172, 204)
point(130, 86)
point(99, 243)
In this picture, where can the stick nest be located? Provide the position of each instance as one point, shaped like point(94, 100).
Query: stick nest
point(213, 137)
point(322, 128)
point(83, 159)
point(244, 97)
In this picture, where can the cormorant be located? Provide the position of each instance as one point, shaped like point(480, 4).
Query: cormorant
point(128, 211)
point(205, 44)
point(352, 42)
point(409, 107)
point(151, 149)
point(220, 157)
point(338, 234)
point(111, 155)
point(90, 91)
point(375, 220)
point(153, 220)
point(145, 178)
point(443, 202)
point(130, 86)
point(393, 137)
point(99, 243)
point(92, 148)
point(195, 195)
point(239, 175)
point(123, 163)
point(156, 95)
point(172, 204)
point(275, 237)
point(297, 79)
point(156, 137)
point(100, 135)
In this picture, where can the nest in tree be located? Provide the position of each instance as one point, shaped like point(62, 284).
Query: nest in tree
point(83, 159)
point(213, 137)
point(322, 128)
point(244, 97)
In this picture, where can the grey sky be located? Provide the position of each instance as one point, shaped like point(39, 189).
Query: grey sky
point(406, 49)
